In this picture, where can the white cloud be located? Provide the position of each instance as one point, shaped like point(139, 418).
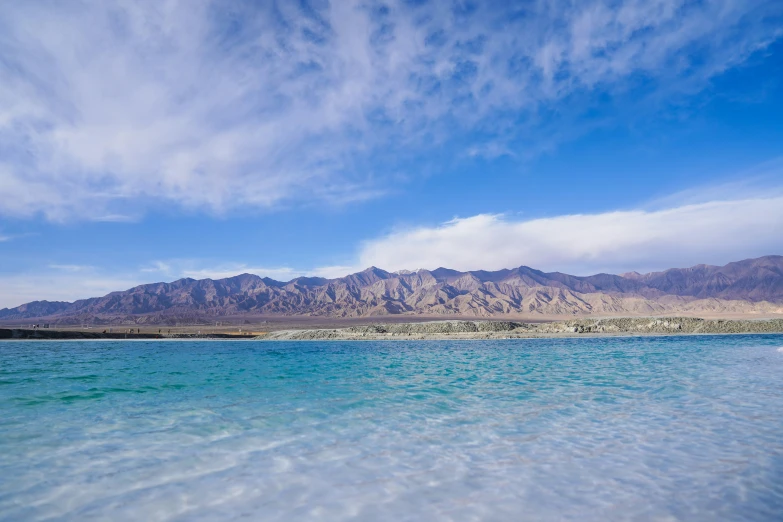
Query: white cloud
point(199, 269)
point(72, 268)
point(13, 237)
point(108, 107)
point(762, 179)
point(333, 272)
point(232, 269)
point(158, 267)
point(713, 232)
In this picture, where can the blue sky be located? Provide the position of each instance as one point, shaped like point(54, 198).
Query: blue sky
point(147, 141)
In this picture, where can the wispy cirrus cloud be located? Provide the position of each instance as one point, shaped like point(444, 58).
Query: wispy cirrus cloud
point(109, 107)
point(11, 237)
point(72, 268)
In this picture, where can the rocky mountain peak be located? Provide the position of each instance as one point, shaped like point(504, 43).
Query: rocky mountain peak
point(751, 285)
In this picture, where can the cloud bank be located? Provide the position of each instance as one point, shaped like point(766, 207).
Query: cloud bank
point(109, 107)
point(615, 242)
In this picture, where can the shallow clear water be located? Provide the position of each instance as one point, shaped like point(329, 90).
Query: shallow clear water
point(541, 429)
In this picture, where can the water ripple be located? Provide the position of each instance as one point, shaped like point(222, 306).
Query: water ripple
point(576, 429)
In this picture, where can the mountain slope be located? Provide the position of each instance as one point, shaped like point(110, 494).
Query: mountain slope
point(758, 279)
point(750, 286)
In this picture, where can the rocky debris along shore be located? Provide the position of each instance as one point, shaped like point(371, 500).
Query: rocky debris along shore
point(510, 330)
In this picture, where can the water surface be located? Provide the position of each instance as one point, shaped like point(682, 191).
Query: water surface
point(683, 428)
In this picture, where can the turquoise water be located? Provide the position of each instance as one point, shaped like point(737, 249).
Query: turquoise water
point(541, 429)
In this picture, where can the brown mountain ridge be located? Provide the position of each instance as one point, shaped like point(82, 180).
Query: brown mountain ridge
point(749, 286)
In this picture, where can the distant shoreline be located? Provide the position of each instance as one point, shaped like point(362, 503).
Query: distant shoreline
point(496, 330)
point(467, 330)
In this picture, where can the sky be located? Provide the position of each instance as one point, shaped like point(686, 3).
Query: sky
point(145, 141)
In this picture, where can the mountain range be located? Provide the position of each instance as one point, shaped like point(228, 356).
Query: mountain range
point(749, 286)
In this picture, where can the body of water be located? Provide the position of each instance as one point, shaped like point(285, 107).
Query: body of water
point(679, 428)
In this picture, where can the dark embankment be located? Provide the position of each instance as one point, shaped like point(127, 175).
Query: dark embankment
point(65, 334)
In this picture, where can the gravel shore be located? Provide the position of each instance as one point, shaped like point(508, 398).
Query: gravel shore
point(510, 330)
